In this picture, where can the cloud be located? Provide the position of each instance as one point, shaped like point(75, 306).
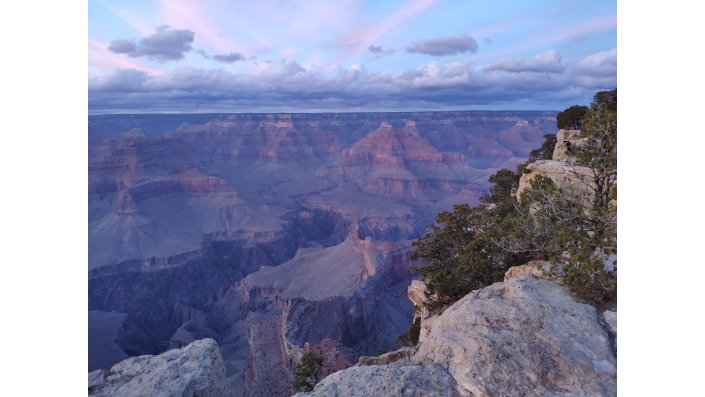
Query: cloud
point(122, 80)
point(599, 64)
point(546, 62)
point(597, 70)
point(229, 57)
point(288, 86)
point(378, 52)
point(122, 46)
point(166, 44)
point(100, 57)
point(444, 46)
point(358, 37)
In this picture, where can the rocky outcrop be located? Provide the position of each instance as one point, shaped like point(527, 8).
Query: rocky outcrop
point(574, 180)
point(387, 380)
point(611, 320)
point(538, 269)
point(518, 338)
point(565, 141)
point(194, 370)
point(402, 355)
point(417, 296)
point(610, 317)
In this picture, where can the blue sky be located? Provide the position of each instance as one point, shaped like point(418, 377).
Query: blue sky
point(350, 55)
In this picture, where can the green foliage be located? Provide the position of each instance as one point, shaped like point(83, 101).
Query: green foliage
point(457, 259)
point(460, 253)
point(607, 98)
point(545, 152)
point(599, 150)
point(571, 118)
point(544, 224)
point(586, 276)
point(414, 331)
point(306, 373)
point(471, 247)
point(382, 351)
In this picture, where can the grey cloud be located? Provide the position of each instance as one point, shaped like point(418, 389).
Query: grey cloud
point(547, 62)
point(229, 58)
point(444, 46)
point(122, 80)
point(122, 46)
point(599, 64)
point(288, 86)
point(166, 44)
point(379, 52)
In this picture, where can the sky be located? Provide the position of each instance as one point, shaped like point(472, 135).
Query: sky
point(176, 56)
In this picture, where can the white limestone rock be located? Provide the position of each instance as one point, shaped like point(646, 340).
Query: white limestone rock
point(387, 380)
point(525, 336)
point(564, 140)
point(194, 370)
point(574, 180)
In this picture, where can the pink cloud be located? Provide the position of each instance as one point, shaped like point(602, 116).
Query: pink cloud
point(192, 15)
point(558, 33)
point(362, 37)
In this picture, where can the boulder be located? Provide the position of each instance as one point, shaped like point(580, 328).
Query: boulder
point(194, 370)
point(611, 320)
point(417, 293)
point(402, 355)
point(566, 139)
point(525, 336)
point(387, 380)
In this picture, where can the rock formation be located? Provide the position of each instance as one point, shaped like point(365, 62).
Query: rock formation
point(515, 337)
point(400, 355)
point(217, 226)
point(575, 180)
point(610, 317)
point(417, 296)
point(387, 380)
point(538, 269)
point(194, 370)
point(565, 141)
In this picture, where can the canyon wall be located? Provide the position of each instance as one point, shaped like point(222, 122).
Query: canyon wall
point(275, 234)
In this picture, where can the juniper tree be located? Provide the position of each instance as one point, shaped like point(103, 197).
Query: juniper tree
point(306, 373)
point(598, 149)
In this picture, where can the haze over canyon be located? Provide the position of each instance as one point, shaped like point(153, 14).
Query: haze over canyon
point(273, 233)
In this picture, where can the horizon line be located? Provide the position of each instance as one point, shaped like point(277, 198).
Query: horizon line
point(315, 112)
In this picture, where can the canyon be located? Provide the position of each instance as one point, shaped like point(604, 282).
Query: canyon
point(275, 234)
